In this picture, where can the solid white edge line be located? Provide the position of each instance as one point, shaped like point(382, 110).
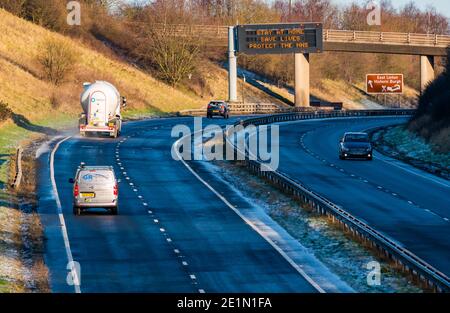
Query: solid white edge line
point(248, 222)
point(61, 217)
point(391, 161)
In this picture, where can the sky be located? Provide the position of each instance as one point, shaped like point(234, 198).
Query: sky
point(442, 6)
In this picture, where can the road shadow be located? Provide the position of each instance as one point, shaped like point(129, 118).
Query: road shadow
point(96, 212)
point(25, 123)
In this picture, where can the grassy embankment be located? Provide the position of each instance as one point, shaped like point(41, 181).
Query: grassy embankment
point(400, 142)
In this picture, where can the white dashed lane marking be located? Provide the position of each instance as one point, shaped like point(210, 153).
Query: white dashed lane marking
point(162, 230)
point(364, 180)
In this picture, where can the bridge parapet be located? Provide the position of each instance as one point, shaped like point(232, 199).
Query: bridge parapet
point(337, 40)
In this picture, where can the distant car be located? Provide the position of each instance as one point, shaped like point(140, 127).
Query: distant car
point(95, 187)
point(217, 107)
point(355, 145)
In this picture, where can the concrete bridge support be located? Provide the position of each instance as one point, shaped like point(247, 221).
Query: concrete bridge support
point(232, 67)
point(426, 70)
point(301, 69)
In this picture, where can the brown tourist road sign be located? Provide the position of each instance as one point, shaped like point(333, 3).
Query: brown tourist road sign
point(384, 83)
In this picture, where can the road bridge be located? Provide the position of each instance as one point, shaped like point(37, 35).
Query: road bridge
point(427, 46)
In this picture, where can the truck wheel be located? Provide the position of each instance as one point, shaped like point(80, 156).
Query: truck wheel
point(76, 210)
point(115, 210)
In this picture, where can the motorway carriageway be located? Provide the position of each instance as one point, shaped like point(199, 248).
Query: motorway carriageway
point(406, 204)
point(174, 235)
point(171, 235)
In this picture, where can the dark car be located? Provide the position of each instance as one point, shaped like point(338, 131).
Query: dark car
point(355, 145)
point(219, 108)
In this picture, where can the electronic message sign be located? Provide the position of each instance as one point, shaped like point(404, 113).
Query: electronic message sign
point(279, 38)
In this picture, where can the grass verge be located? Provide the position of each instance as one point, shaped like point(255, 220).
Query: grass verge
point(398, 142)
point(22, 268)
point(337, 249)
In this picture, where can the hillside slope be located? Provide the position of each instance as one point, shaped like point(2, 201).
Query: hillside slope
point(22, 88)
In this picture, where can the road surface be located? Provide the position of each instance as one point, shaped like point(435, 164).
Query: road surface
point(171, 234)
point(408, 205)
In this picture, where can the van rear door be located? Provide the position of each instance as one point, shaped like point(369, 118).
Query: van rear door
point(97, 184)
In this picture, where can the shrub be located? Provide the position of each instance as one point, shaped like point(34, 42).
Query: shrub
point(57, 60)
point(14, 6)
point(5, 111)
point(432, 119)
point(55, 101)
point(47, 13)
point(173, 58)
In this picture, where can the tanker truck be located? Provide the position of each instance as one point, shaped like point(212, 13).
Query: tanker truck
point(101, 103)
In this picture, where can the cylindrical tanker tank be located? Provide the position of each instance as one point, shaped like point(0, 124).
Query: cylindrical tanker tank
point(101, 103)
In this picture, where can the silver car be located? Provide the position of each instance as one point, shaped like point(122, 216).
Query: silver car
point(95, 187)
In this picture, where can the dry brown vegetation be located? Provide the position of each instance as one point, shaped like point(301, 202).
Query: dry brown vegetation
point(129, 34)
point(57, 59)
point(5, 111)
point(174, 59)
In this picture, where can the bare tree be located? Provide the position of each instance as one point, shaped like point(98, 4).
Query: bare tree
point(173, 54)
point(57, 59)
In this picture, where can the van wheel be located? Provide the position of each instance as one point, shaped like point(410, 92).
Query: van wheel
point(76, 210)
point(115, 210)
